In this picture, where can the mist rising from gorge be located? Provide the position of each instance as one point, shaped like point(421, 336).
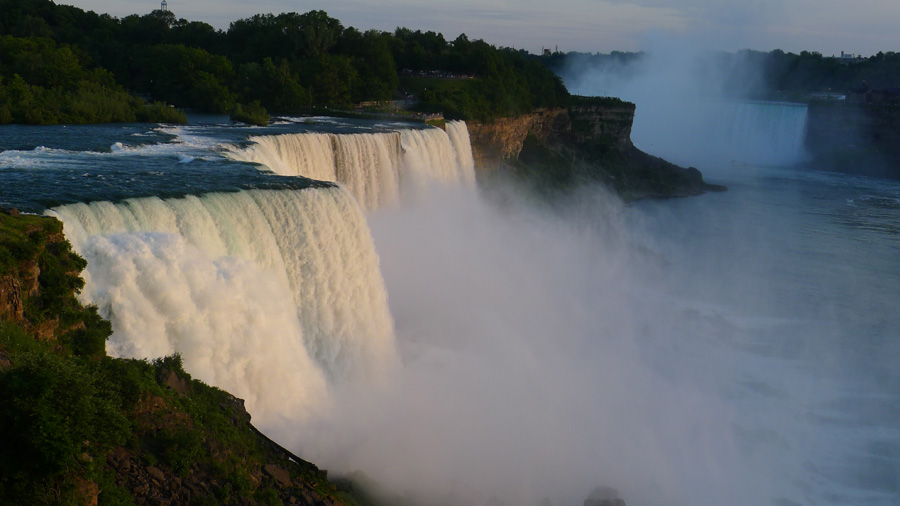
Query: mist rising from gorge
point(539, 360)
point(694, 107)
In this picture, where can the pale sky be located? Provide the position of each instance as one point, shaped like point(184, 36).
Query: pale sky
point(828, 26)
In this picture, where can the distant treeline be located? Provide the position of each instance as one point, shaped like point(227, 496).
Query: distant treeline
point(766, 74)
point(59, 63)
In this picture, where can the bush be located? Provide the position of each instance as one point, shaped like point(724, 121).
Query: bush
point(158, 112)
point(254, 114)
point(50, 409)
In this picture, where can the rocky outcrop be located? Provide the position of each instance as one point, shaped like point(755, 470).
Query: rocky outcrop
point(605, 120)
point(503, 138)
point(31, 241)
point(590, 141)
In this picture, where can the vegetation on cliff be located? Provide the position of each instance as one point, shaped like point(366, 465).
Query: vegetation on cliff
point(80, 427)
point(288, 62)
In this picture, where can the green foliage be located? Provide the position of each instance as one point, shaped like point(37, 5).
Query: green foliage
point(51, 408)
point(178, 448)
point(14, 339)
point(58, 64)
point(17, 238)
point(506, 82)
point(254, 114)
point(158, 112)
point(274, 87)
point(91, 340)
point(185, 76)
point(41, 83)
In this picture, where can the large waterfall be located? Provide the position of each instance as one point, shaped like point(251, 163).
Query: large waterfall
point(269, 294)
point(373, 166)
point(275, 295)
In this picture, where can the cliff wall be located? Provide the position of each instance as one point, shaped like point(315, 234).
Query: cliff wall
point(590, 141)
point(607, 120)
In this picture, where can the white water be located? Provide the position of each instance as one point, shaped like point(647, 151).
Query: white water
point(265, 293)
point(375, 167)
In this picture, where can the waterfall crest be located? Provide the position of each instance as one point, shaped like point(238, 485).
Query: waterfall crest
point(375, 167)
point(269, 294)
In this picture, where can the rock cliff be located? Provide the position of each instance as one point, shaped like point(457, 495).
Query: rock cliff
point(588, 141)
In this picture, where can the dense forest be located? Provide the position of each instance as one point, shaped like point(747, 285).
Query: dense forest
point(758, 74)
point(60, 64)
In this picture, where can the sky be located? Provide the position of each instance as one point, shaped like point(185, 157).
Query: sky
point(828, 26)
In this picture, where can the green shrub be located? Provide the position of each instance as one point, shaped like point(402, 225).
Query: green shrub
point(254, 114)
point(50, 409)
point(158, 112)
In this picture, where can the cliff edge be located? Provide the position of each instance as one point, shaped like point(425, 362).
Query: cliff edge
point(590, 141)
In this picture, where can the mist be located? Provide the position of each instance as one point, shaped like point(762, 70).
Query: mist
point(694, 106)
point(543, 353)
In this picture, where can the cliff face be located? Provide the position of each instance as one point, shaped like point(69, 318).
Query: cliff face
point(503, 139)
point(855, 137)
point(588, 142)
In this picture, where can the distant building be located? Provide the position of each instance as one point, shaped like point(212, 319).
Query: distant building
point(847, 57)
point(164, 6)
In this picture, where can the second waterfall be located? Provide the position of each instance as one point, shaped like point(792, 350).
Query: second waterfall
point(375, 167)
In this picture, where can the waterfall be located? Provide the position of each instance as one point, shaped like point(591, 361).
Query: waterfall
point(374, 167)
point(459, 138)
point(721, 134)
point(762, 132)
point(269, 294)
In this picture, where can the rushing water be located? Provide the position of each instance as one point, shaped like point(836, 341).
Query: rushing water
point(734, 348)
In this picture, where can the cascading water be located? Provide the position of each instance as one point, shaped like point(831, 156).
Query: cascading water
point(459, 138)
point(373, 166)
point(264, 293)
point(770, 133)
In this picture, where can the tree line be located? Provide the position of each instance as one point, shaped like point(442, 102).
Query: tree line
point(82, 66)
point(759, 74)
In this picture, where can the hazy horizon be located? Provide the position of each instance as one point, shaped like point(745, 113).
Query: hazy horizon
point(827, 26)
